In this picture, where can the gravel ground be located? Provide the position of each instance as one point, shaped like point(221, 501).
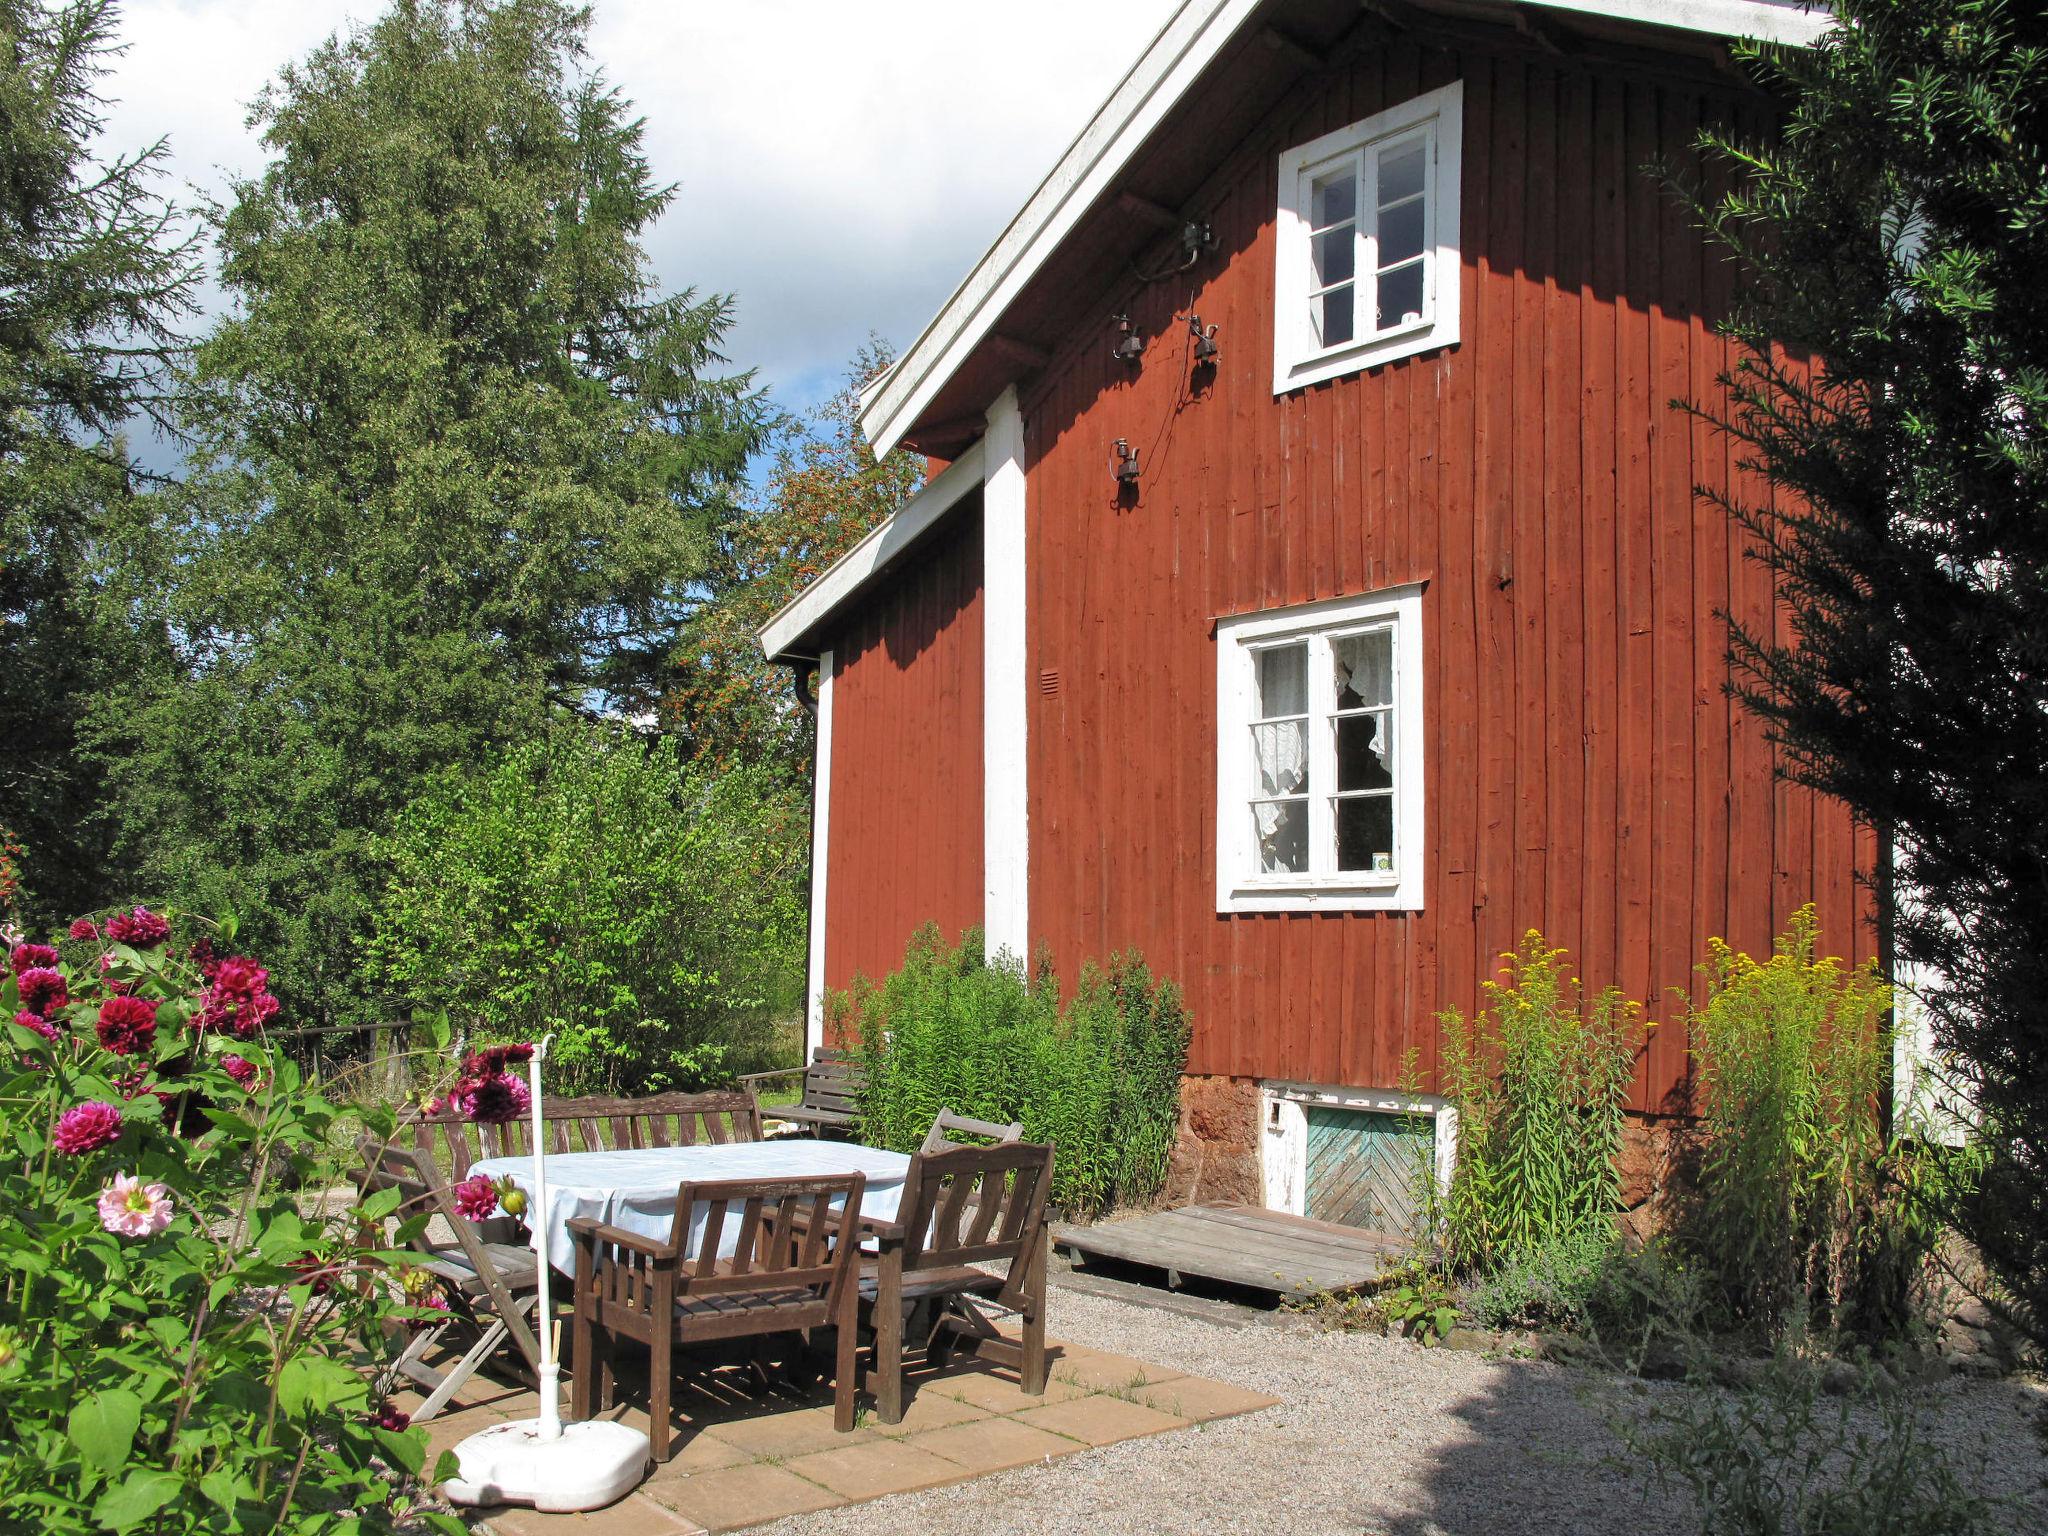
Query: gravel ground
point(1376, 1435)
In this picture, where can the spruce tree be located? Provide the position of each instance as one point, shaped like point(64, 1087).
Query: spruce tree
point(458, 466)
point(96, 274)
point(1893, 235)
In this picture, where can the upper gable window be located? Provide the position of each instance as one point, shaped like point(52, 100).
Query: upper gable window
point(1368, 242)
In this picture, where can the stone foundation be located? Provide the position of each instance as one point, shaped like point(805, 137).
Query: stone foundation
point(1216, 1154)
point(1659, 1155)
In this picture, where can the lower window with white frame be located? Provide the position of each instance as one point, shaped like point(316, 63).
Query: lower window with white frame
point(1319, 756)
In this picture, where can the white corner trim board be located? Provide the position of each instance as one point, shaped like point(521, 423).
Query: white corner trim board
point(1168, 69)
point(839, 581)
point(821, 824)
point(1006, 828)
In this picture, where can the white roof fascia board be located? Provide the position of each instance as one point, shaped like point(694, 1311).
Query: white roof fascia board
point(1769, 21)
point(1185, 46)
point(853, 570)
point(1191, 38)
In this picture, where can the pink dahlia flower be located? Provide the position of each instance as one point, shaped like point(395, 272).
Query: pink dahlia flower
point(127, 1025)
point(32, 957)
point(492, 1100)
point(240, 1068)
point(84, 929)
point(135, 1209)
point(42, 988)
point(38, 1023)
point(476, 1198)
point(87, 1127)
point(140, 929)
point(238, 1000)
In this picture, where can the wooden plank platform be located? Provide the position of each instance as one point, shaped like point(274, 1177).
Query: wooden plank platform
point(1241, 1245)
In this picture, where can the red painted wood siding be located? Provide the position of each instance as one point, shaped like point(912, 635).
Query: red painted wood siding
point(1585, 772)
point(904, 834)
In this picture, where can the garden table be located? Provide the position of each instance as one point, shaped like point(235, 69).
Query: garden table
point(636, 1189)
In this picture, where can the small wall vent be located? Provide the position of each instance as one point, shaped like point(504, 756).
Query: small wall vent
point(1049, 681)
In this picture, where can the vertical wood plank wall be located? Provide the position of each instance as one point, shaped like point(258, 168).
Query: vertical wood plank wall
point(1586, 773)
point(904, 838)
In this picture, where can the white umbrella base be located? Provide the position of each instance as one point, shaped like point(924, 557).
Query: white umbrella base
point(591, 1464)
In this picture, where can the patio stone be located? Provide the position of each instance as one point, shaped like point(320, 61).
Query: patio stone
point(694, 1451)
point(1100, 1419)
point(1200, 1399)
point(875, 1468)
point(1001, 1394)
point(732, 1497)
point(634, 1515)
point(1108, 1373)
point(786, 1435)
point(990, 1445)
point(931, 1410)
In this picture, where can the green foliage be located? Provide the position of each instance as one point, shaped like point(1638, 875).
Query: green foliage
point(456, 470)
point(1416, 1301)
point(1539, 1082)
point(1559, 1283)
point(1800, 1211)
point(1100, 1079)
point(1773, 1459)
point(1893, 224)
point(825, 489)
point(589, 885)
point(94, 279)
point(217, 1373)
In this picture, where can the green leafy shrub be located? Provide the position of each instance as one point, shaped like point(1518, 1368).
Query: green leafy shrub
point(1539, 1081)
point(1804, 1208)
point(589, 886)
point(1773, 1460)
point(1559, 1283)
point(184, 1350)
point(1099, 1080)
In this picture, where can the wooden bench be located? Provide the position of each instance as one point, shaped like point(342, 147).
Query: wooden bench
point(831, 1096)
point(589, 1125)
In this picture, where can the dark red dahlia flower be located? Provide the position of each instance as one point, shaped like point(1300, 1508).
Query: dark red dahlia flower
point(127, 1025)
point(491, 1100)
point(84, 929)
point(139, 929)
point(33, 957)
point(240, 1068)
point(42, 988)
point(38, 1023)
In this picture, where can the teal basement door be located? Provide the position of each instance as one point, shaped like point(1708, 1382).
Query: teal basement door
point(1363, 1167)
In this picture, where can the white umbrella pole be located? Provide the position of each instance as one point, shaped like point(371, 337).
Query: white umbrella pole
point(550, 1367)
point(542, 1461)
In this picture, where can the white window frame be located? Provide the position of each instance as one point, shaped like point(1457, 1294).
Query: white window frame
point(1240, 886)
point(1299, 358)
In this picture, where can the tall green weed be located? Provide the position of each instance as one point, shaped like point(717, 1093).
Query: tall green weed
point(1099, 1079)
point(1805, 1208)
point(1539, 1080)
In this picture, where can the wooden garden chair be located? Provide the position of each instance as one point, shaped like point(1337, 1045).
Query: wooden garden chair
point(830, 1099)
point(793, 1268)
point(936, 1140)
point(962, 1208)
point(493, 1286)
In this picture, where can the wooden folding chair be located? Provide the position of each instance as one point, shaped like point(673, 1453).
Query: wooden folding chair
point(962, 1208)
point(792, 1269)
point(494, 1285)
point(936, 1140)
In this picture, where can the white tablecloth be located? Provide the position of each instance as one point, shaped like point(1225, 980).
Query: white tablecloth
point(637, 1190)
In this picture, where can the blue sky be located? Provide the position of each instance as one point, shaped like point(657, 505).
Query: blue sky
point(840, 166)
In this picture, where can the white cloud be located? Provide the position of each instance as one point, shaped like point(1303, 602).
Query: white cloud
point(839, 166)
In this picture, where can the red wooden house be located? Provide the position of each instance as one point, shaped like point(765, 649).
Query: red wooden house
point(1311, 591)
